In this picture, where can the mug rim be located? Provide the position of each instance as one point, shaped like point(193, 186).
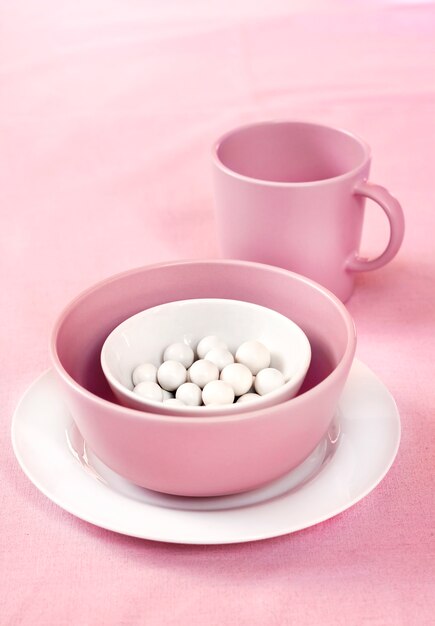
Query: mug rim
point(287, 184)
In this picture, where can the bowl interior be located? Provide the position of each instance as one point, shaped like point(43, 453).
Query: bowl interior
point(143, 338)
point(84, 326)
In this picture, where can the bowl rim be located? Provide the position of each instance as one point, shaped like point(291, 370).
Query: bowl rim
point(298, 376)
point(126, 412)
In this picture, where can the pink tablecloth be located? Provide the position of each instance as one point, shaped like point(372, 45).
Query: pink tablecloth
point(107, 111)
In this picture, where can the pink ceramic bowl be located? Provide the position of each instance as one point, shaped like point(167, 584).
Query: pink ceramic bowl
point(204, 456)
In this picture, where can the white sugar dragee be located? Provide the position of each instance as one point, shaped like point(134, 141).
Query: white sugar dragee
point(268, 380)
point(217, 392)
point(220, 357)
point(248, 397)
point(171, 374)
point(180, 352)
point(238, 376)
point(149, 391)
point(190, 394)
point(254, 355)
point(143, 373)
point(202, 372)
point(211, 342)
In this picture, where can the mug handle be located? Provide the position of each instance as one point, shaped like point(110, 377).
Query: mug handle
point(394, 213)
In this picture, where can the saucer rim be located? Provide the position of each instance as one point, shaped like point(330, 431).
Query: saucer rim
point(250, 535)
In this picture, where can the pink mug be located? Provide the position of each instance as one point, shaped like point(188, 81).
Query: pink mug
point(292, 194)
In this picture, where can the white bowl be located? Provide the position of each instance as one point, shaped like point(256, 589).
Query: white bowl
point(143, 337)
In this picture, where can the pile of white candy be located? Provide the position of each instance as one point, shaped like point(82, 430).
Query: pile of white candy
point(215, 378)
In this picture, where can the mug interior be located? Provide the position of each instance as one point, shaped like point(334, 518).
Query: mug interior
point(290, 152)
point(84, 326)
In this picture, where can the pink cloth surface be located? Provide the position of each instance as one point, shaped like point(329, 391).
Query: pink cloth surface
point(107, 113)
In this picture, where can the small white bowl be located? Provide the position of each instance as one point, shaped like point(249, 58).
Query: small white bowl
point(143, 338)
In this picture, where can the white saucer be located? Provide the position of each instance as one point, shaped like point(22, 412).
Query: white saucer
point(357, 453)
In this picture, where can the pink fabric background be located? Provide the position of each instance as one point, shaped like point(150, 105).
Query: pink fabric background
point(107, 112)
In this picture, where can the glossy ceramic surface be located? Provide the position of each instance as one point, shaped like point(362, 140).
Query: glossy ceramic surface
point(143, 338)
point(349, 462)
point(211, 455)
point(292, 194)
